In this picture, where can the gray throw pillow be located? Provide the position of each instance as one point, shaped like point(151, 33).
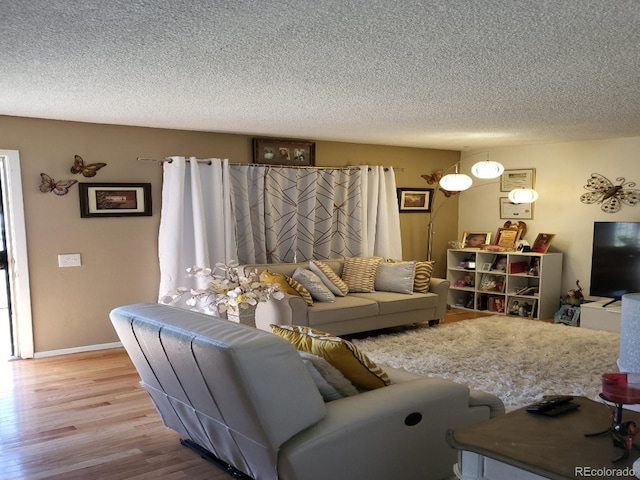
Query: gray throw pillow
point(395, 277)
point(314, 284)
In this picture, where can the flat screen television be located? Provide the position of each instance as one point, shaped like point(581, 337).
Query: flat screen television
point(615, 261)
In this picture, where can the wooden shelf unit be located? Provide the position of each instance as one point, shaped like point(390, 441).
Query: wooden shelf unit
point(530, 285)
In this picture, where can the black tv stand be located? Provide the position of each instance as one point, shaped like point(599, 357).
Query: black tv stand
point(611, 301)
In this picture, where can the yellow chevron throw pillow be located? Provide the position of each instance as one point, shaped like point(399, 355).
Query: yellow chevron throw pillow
point(342, 354)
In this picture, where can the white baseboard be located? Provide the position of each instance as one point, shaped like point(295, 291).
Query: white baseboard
point(85, 348)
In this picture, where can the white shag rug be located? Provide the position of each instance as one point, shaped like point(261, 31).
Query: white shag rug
point(518, 360)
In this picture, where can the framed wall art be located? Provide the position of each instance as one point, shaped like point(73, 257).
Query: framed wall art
point(512, 179)
point(543, 242)
point(475, 239)
point(520, 211)
point(115, 199)
point(293, 153)
point(415, 199)
point(508, 237)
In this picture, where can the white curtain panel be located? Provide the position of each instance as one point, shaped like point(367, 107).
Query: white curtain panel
point(381, 213)
point(196, 222)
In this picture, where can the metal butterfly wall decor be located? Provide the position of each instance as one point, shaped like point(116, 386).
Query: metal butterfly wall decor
point(89, 170)
point(611, 197)
point(50, 185)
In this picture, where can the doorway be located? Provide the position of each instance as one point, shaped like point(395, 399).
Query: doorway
point(16, 328)
point(7, 347)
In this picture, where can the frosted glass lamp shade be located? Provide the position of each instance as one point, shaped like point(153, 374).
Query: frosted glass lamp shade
point(523, 195)
point(487, 169)
point(456, 182)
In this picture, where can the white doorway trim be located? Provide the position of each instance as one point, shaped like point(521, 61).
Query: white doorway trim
point(22, 321)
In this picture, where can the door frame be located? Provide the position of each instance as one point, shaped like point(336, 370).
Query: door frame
point(18, 264)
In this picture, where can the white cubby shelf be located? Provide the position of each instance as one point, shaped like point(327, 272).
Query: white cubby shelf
point(523, 284)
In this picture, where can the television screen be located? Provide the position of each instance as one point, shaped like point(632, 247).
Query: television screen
point(615, 262)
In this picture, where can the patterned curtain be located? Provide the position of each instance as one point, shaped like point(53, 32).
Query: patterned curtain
point(296, 214)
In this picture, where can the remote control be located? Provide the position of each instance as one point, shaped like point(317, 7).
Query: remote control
point(559, 409)
point(548, 403)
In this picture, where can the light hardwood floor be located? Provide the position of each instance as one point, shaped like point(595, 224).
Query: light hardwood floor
point(85, 416)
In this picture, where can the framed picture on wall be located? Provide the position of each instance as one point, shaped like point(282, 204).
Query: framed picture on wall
point(414, 199)
point(115, 199)
point(294, 153)
point(512, 179)
point(520, 211)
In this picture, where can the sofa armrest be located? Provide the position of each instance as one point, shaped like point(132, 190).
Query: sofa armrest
point(291, 310)
point(493, 403)
point(397, 431)
point(440, 287)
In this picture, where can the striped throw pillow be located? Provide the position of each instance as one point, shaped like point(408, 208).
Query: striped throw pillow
point(301, 289)
point(329, 277)
point(359, 273)
point(422, 280)
point(342, 354)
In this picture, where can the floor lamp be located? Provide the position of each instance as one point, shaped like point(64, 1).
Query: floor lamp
point(456, 182)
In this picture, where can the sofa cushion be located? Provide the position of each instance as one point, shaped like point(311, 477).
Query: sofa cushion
point(395, 277)
point(359, 273)
point(343, 309)
point(312, 282)
point(342, 354)
point(329, 277)
point(422, 279)
point(391, 302)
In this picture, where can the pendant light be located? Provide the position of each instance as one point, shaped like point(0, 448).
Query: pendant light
point(523, 195)
point(487, 169)
point(456, 182)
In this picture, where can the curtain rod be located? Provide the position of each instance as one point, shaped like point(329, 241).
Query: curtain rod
point(208, 162)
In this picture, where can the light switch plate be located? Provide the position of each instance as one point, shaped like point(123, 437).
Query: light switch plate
point(69, 260)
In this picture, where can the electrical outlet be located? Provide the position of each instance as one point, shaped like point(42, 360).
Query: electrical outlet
point(69, 260)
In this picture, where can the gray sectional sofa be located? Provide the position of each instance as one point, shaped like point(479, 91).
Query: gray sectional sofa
point(355, 312)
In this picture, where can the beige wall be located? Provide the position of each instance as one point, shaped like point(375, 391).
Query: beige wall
point(562, 170)
point(119, 255)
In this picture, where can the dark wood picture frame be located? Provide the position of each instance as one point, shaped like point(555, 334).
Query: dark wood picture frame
point(293, 153)
point(414, 199)
point(115, 199)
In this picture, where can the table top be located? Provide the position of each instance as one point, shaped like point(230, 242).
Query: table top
point(549, 446)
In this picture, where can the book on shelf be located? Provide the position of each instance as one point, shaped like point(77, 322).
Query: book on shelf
point(518, 267)
point(529, 290)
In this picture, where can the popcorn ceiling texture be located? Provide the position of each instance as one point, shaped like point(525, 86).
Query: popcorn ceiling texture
point(438, 73)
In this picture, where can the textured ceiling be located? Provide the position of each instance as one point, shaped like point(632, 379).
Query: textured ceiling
point(440, 74)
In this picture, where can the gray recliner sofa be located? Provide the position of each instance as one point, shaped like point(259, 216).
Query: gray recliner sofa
point(246, 396)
